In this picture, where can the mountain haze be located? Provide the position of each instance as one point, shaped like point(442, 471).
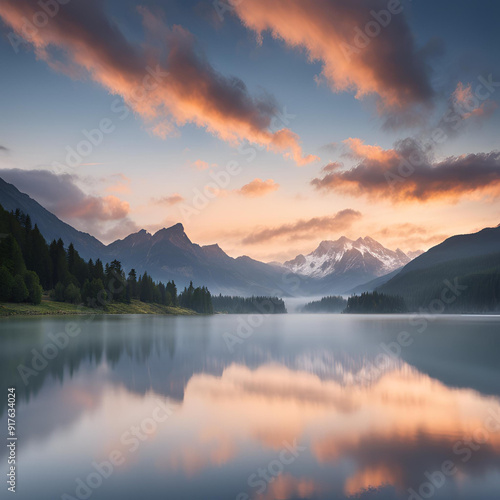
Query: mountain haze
point(170, 254)
point(334, 267)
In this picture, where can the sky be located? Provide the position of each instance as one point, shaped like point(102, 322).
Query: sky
point(265, 126)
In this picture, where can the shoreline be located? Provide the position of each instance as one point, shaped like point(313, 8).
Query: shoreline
point(53, 308)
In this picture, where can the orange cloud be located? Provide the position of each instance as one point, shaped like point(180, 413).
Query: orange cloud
point(163, 129)
point(334, 32)
point(411, 236)
point(102, 208)
point(258, 187)
point(169, 200)
point(335, 223)
point(406, 173)
point(183, 89)
point(121, 185)
point(470, 106)
point(359, 150)
point(200, 165)
point(287, 141)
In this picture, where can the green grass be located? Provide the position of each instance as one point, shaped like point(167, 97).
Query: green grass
point(52, 308)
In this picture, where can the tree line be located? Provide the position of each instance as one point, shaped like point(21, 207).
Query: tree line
point(198, 299)
point(375, 303)
point(248, 305)
point(28, 265)
point(20, 256)
point(330, 304)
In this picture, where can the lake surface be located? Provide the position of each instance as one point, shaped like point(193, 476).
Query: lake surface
point(239, 407)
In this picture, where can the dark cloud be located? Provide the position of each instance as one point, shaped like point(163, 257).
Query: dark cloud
point(335, 223)
point(60, 195)
point(465, 106)
point(167, 79)
point(332, 167)
point(386, 64)
point(4, 149)
point(408, 173)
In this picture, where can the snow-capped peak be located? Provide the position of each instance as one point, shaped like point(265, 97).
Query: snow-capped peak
point(344, 255)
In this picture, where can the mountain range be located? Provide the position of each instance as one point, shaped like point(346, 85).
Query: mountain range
point(335, 267)
point(170, 254)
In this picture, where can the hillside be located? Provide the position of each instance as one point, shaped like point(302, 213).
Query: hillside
point(484, 242)
point(470, 284)
point(49, 225)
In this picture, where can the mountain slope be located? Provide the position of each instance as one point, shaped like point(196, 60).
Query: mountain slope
point(170, 254)
point(484, 242)
point(372, 285)
point(461, 274)
point(49, 225)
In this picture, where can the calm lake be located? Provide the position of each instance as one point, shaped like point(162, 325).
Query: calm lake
point(239, 407)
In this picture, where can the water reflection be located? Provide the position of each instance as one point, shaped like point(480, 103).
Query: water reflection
point(364, 429)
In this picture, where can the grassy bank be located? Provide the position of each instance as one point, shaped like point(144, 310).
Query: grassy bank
point(52, 308)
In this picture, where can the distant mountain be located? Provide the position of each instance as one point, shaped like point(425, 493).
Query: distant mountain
point(49, 225)
point(343, 255)
point(337, 266)
point(170, 254)
point(471, 262)
point(334, 267)
point(414, 254)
